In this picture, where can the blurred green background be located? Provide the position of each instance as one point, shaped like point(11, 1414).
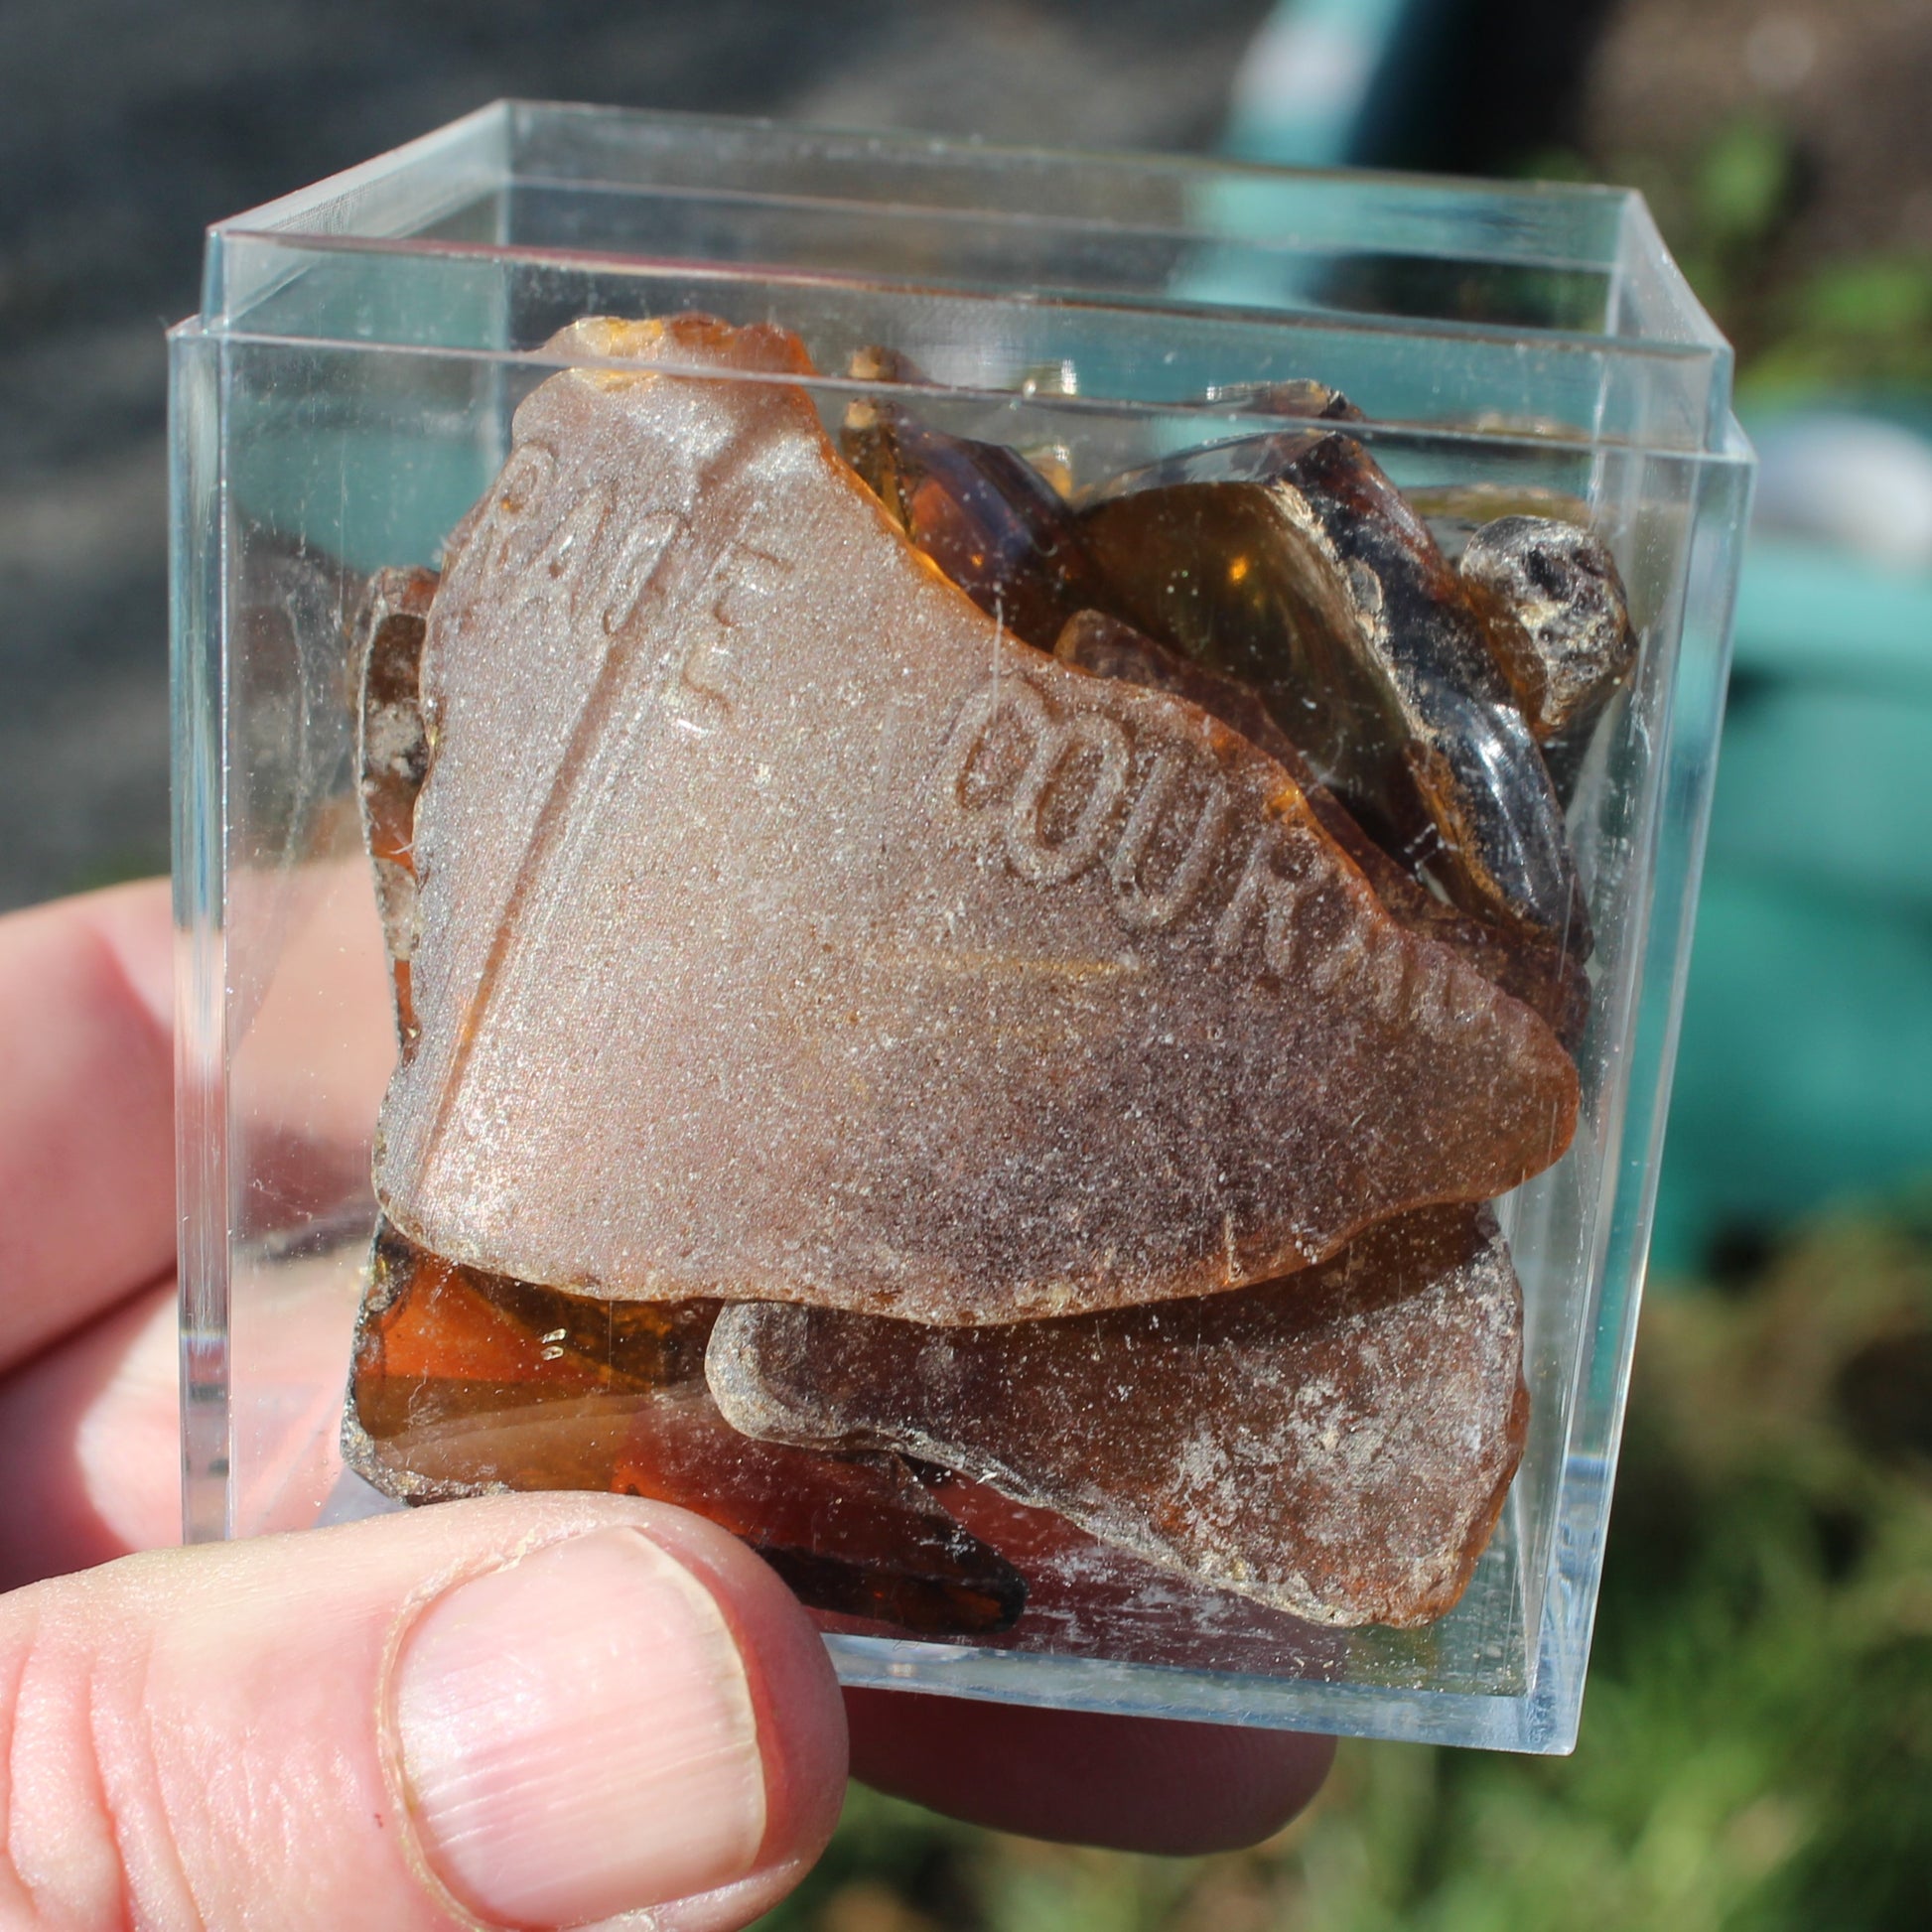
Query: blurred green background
point(1757, 1737)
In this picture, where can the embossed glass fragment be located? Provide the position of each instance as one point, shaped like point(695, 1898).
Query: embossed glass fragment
point(824, 928)
point(896, 965)
point(1540, 972)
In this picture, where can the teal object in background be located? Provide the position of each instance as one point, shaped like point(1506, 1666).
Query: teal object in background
point(1804, 1069)
point(1307, 81)
point(1824, 617)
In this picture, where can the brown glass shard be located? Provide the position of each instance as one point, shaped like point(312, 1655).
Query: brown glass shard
point(1299, 397)
point(1108, 646)
point(1094, 1599)
point(467, 1383)
point(1455, 512)
point(1290, 561)
point(392, 754)
point(991, 521)
point(1542, 975)
point(786, 930)
point(1336, 1446)
point(1557, 619)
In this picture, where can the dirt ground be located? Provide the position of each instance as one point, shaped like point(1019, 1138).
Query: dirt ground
point(1849, 80)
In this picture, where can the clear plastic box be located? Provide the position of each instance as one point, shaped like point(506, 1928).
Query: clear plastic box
point(346, 396)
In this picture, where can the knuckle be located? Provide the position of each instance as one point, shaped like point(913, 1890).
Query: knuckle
point(89, 1834)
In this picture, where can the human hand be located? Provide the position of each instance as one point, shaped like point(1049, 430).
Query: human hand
point(530, 1711)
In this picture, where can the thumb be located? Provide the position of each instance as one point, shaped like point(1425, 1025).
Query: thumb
point(536, 1712)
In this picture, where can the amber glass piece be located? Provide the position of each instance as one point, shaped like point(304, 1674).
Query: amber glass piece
point(990, 520)
point(467, 1383)
point(1299, 397)
point(1094, 1599)
point(1291, 562)
point(1455, 512)
point(1338, 1446)
point(1557, 619)
point(786, 930)
point(392, 753)
point(1544, 975)
point(1108, 646)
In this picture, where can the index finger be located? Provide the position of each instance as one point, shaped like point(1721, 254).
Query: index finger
point(87, 1110)
point(1086, 1777)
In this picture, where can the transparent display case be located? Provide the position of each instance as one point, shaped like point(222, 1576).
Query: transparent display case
point(1006, 981)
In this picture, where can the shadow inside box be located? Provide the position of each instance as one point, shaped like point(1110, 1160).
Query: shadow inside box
point(1086, 1598)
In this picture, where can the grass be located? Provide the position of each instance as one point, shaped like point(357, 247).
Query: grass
point(1757, 1752)
point(1807, 325)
